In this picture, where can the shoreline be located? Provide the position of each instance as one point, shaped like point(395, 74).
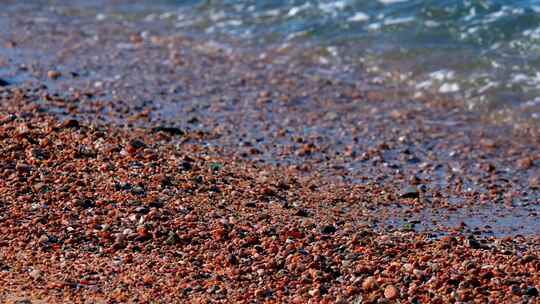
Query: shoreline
point(154, 166)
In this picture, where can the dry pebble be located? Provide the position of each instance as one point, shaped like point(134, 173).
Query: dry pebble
point(391, 292)
point(149, 226)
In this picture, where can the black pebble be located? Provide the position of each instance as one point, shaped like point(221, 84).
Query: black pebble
point(169, 130)
point(186, 165)
point(409, 192)
point(328, 229)
point(301, 212)
point(532, 291)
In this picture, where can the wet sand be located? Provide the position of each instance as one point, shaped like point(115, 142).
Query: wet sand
point(146, 165)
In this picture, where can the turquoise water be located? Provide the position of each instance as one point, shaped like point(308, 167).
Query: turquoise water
point(484, 53)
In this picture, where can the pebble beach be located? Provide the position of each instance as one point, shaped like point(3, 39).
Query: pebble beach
point(145, 165)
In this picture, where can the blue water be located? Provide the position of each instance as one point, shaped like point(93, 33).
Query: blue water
point(482, 53)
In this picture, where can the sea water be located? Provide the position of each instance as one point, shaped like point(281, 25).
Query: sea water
point(484, 54)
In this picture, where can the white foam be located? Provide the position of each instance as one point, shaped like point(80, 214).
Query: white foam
point(495, 64)
point(332, 6)
point(297, 9)
point(272, 13)
point(359, 17)
point(494, 16)
point(442, 75)
point(333, 51)
point(216, 16)
point(531, 103)
point(431, 23)
point(471, 15)
point(293, 11)
point(296, 34)
point(449, 88)
point(229, 23)
point(488, 86)
point(424, 84)
point(374, 26)
point(166, 15)
point(516, 78)
point(386, 2)
point(532, 33)
point(398, 20)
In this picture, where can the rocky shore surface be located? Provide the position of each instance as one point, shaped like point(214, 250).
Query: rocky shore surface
point(144, 165)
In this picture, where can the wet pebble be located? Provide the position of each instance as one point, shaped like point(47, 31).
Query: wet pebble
point(409, 192)
point(52, 74)
point(169, 130)
point(70, 123)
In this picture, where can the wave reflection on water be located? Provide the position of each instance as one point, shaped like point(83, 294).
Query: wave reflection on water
point(483, 52)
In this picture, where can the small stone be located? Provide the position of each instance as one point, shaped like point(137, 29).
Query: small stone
point(148, 279)
point(54, 74)
point(44, 238)
point(135, 38)
point(514, 289)
point(340, 300)
point(262, 293)
point(314, 292)
point(137, 190)
point(329, 229)
point(529, 258)
point(10, 44)
point(301, 212)
point(534, 182)
point(172, 238)
point(70, 123)
point(142, 209)
point(7, 119)
point(408, 267)
point(231, 259)
point(414, 180)
point(472, 243)
point(391, 292)
point(369, 284)
point(532, 291)
point(525, 163)
point(193, 120)
point(142, 232)
point(418, 273)
point(85, 203)
point(169, 130)
point(136, 144)
point(215, 166)
point(409, 192)
point(35, 274)
point(186, 165)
